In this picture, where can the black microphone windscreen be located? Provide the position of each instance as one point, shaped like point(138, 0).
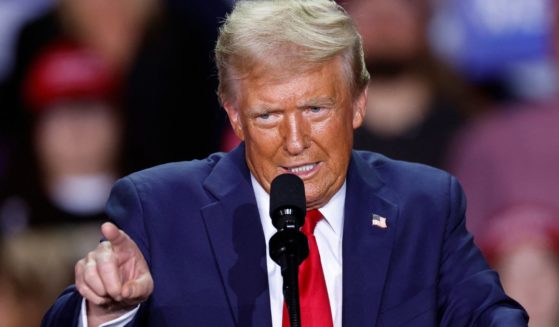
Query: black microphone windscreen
point(287, 191)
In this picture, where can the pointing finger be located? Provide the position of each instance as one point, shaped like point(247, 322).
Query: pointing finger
point(112, 233)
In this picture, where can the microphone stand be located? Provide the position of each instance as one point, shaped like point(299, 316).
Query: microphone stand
point(289, 247)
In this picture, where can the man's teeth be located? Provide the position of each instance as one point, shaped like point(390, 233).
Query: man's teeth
point(301, 169)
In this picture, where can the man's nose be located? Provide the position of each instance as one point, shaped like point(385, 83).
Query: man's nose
point(296, 134)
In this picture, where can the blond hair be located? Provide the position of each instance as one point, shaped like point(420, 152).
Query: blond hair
point(288, 36)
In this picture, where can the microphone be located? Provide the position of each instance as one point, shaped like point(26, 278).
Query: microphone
point(288, 246)
point(287, 210)
point(287, 202)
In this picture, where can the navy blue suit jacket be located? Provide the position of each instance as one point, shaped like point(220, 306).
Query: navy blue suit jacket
point(197, 225)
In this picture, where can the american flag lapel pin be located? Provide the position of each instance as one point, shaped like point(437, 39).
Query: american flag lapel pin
point(379, 221)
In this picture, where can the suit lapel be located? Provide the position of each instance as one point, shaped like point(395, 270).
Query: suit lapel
point(237, 239)
point(366, 248)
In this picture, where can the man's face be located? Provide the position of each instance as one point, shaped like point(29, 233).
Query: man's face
point(78, 138)
point(302, 124)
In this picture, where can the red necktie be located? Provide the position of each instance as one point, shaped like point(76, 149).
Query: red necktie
point(315, 306)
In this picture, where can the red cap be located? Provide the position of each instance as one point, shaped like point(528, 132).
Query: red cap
point(518, 224)
point(64, 71)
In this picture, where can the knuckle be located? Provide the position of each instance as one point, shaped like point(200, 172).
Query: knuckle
point(105, 246)
point(90, 274)
point(90, 264)
point(90, 256)
point(106, 257)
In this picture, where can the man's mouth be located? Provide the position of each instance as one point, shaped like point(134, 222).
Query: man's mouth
point(302, 169)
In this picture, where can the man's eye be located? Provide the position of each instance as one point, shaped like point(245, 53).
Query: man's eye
point(315, 109)
point(264, 116)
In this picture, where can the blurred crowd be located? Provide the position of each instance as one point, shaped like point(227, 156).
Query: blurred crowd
point(92, 90)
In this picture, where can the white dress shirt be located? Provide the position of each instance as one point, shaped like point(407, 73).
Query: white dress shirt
point(118, 322)
point(328, 234)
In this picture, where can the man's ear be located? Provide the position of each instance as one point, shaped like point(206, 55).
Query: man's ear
point(360, 107)
point(234, 119)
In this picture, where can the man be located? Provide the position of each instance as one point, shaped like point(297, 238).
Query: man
point(192, 248)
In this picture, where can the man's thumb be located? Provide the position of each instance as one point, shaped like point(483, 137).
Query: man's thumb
point(138, 288)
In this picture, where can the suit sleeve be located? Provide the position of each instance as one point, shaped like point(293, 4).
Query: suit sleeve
point(125, 210)
point(470, 293)
point(66, 310)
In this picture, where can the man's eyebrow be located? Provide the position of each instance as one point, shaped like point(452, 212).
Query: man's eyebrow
point(317, 102)
point(262, 108)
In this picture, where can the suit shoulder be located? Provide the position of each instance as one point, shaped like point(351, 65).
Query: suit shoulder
point(183, 172)
point(398, 173)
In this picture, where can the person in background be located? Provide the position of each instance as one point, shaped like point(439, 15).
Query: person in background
point(188, 241)
point(60, 179)
point(161, 49)
point(71, 159)
point(112, 31)
point(522, 244)
point(416, 102)
point(507, 162)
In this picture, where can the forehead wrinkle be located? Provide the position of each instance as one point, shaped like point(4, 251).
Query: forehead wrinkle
point(271, 96)
point(279, 91)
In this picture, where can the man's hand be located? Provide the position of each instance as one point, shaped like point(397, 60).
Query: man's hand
point(114, 277)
